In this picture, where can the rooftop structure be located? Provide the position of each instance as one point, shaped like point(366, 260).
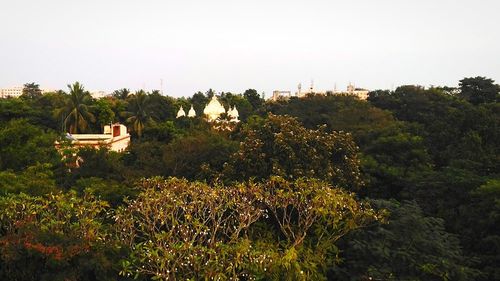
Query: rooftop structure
point(351, 90)
point(115, 137)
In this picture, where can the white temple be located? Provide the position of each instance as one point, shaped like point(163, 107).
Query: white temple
point(181, 113)
point(214, 109)
point(191, 112)
point(233, 114)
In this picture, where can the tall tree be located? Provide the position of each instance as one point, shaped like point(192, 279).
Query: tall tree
point(76, 111)
point(253, 98)
point(281, 146)
point(31, 91)
point(479, 90)
point(121, 93)
point(138, 114)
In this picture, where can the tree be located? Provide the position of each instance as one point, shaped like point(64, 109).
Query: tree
point(409, 247)
point(23, 144)
point(242, 105)
point(54, 237)
point(121, 93)
point(478, 228)
point(198, 156)
point(253, 98)
point(190, 230)
point(138, 114)
point(161, 107)
point(34, 180)
point(281, 146)
point(105, 114)
point(392, 157)
point(76, 111)
point(338, 113)
point(199, 101)
point(477, 90)
point(31, 91)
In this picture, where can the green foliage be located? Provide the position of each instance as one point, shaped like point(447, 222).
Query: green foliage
point(479, 228)
point(448, 124)
point(111, 191)
point(139, 113)
point(31, 91)
point(392, 157)
point(338, 113)
point(199, 155)
point(34, 180)
point(55, 237)
point(243, 106)
point(283, 147)
point(436, 146)
point(162, 107)
point(409, 247)
point(477, 90)
point(23, 144)
point(104, 112)
point(163, 132)
point(76, 112)
point(253, 98)
point(192, 231)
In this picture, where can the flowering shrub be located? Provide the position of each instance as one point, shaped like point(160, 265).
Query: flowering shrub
point(189, 230)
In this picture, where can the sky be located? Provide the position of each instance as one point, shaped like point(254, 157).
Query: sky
point(185, 46)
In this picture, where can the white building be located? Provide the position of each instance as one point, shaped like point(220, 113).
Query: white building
point(115, 138)
point(214, 109)
point(15, 92)
point(359, 92)
point(351, 90)
point(99, 94)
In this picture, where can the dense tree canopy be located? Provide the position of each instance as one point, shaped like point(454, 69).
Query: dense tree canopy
point(286, 194)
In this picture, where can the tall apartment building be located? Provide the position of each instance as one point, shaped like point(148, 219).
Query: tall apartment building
point(15, 92)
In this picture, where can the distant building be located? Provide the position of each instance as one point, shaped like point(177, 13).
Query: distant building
point(99, 94)
point(351, 90)
point(359, 92)
point(115, 138)
point(15, 92)
point(281, 95)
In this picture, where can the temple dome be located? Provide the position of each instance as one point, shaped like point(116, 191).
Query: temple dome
point(214, 109)
point(191, 112)
point(181, 113)
point(233, 114)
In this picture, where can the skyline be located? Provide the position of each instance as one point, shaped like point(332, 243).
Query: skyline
point(227, 46)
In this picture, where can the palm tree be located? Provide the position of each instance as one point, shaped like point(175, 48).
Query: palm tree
point(76, 111)
point(121, 93)
point(139, 112)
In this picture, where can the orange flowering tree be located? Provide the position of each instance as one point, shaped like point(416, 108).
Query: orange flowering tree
point(51, 237)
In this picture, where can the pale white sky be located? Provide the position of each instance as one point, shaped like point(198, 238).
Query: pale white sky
point(232, 45)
